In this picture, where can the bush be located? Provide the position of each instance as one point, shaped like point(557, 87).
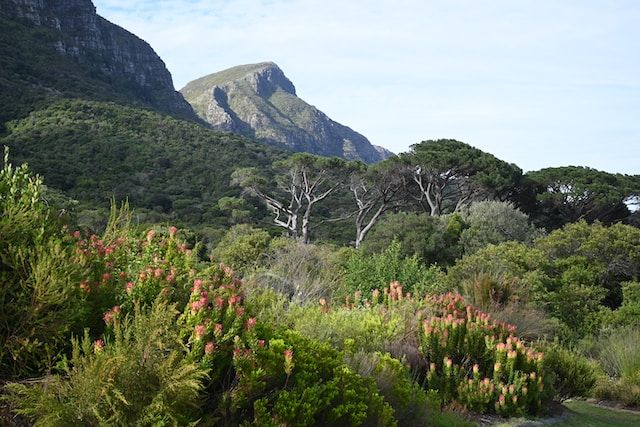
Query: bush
point(301, 272)
point(478, 362)
point(242, 247)
point(138, 376)
point(493, 222)
point(431, 239)
point(569, 373)
point(40, 303)
point(364, 272)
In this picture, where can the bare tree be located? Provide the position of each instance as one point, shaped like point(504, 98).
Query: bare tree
point(305, 181)
point(375, 191)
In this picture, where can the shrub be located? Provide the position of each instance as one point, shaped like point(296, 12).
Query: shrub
point(301, 272)
point(569, 373)
point(493, 222)
point(40, 303)
point(242, 246)
point(431, 239)
point(478, 362)
point(364, 272)
point(139, 375)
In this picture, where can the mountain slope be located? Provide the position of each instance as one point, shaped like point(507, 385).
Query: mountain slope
point(94, 151)
point(260, 101)
point(51, 49)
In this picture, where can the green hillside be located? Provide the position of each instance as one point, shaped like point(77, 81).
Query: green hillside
point(94, 151)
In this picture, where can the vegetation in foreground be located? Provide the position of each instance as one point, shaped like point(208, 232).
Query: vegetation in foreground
point(134, 326)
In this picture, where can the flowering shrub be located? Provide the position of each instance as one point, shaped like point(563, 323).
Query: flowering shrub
point(478, 362)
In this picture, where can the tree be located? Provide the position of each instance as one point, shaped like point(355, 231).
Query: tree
point(375, 190)
point(444, 175)
point(570, 194)
point(304, 180)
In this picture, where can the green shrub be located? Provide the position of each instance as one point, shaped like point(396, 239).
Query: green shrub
point(40, 303)
point(242, 246)
point(139, 376)
point(569, 373)
point(430, 238)
point(318, 388)
point(493, 222)
point(364, 272)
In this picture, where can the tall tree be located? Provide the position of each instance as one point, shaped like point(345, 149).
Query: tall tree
point(444, 175)
point(569, 194)
point(303, 181)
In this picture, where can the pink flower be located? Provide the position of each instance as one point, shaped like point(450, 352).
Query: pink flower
point(197, 285)
point(158, 273)
point(98, 346)
point(219, 302)
point(239, 311)
point(129, 287)
point(172, 231)
point(251, 322)
point(210, 347)
point(261, 343)
point(150, 235)
point(234, 299)
point(218, 329)
point(200, 330)
point(76, 234)
point(106, 277)
point(84, 285)
point(170, 278)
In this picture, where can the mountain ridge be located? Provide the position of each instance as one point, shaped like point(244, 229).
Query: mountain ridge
point(259, 100)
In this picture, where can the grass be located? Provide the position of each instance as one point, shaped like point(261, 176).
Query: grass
point(582, 414)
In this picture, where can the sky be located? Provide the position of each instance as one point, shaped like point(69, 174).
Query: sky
point(538, 83)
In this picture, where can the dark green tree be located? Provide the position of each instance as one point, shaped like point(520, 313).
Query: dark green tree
point(557, 196)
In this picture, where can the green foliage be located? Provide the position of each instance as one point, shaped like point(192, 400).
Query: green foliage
point(39, 299)
point(140, 376)
point(452, 172)
point(432, 239)
point(478, 362)
point(569, 374)
point(576, 273)
point(364, 272)
point(319, 389)
point(242, 247)
point(570, 194)
point(493, 222)
point(168, 169)
point(629, 312)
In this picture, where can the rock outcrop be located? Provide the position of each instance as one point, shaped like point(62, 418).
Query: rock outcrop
point(111, 53)
point(260, 101)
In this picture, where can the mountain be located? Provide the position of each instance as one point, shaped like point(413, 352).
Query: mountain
point(52, 49)
point(260, 101)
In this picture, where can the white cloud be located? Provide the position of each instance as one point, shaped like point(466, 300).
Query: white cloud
point(538, 83)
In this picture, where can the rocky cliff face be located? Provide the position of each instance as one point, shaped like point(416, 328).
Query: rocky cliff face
point(260, 101)
point(110, 52)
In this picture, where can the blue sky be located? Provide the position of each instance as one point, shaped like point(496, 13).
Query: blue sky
point(537, 83)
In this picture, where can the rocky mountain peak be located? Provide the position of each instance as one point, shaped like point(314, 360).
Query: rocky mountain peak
point(260, 101)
